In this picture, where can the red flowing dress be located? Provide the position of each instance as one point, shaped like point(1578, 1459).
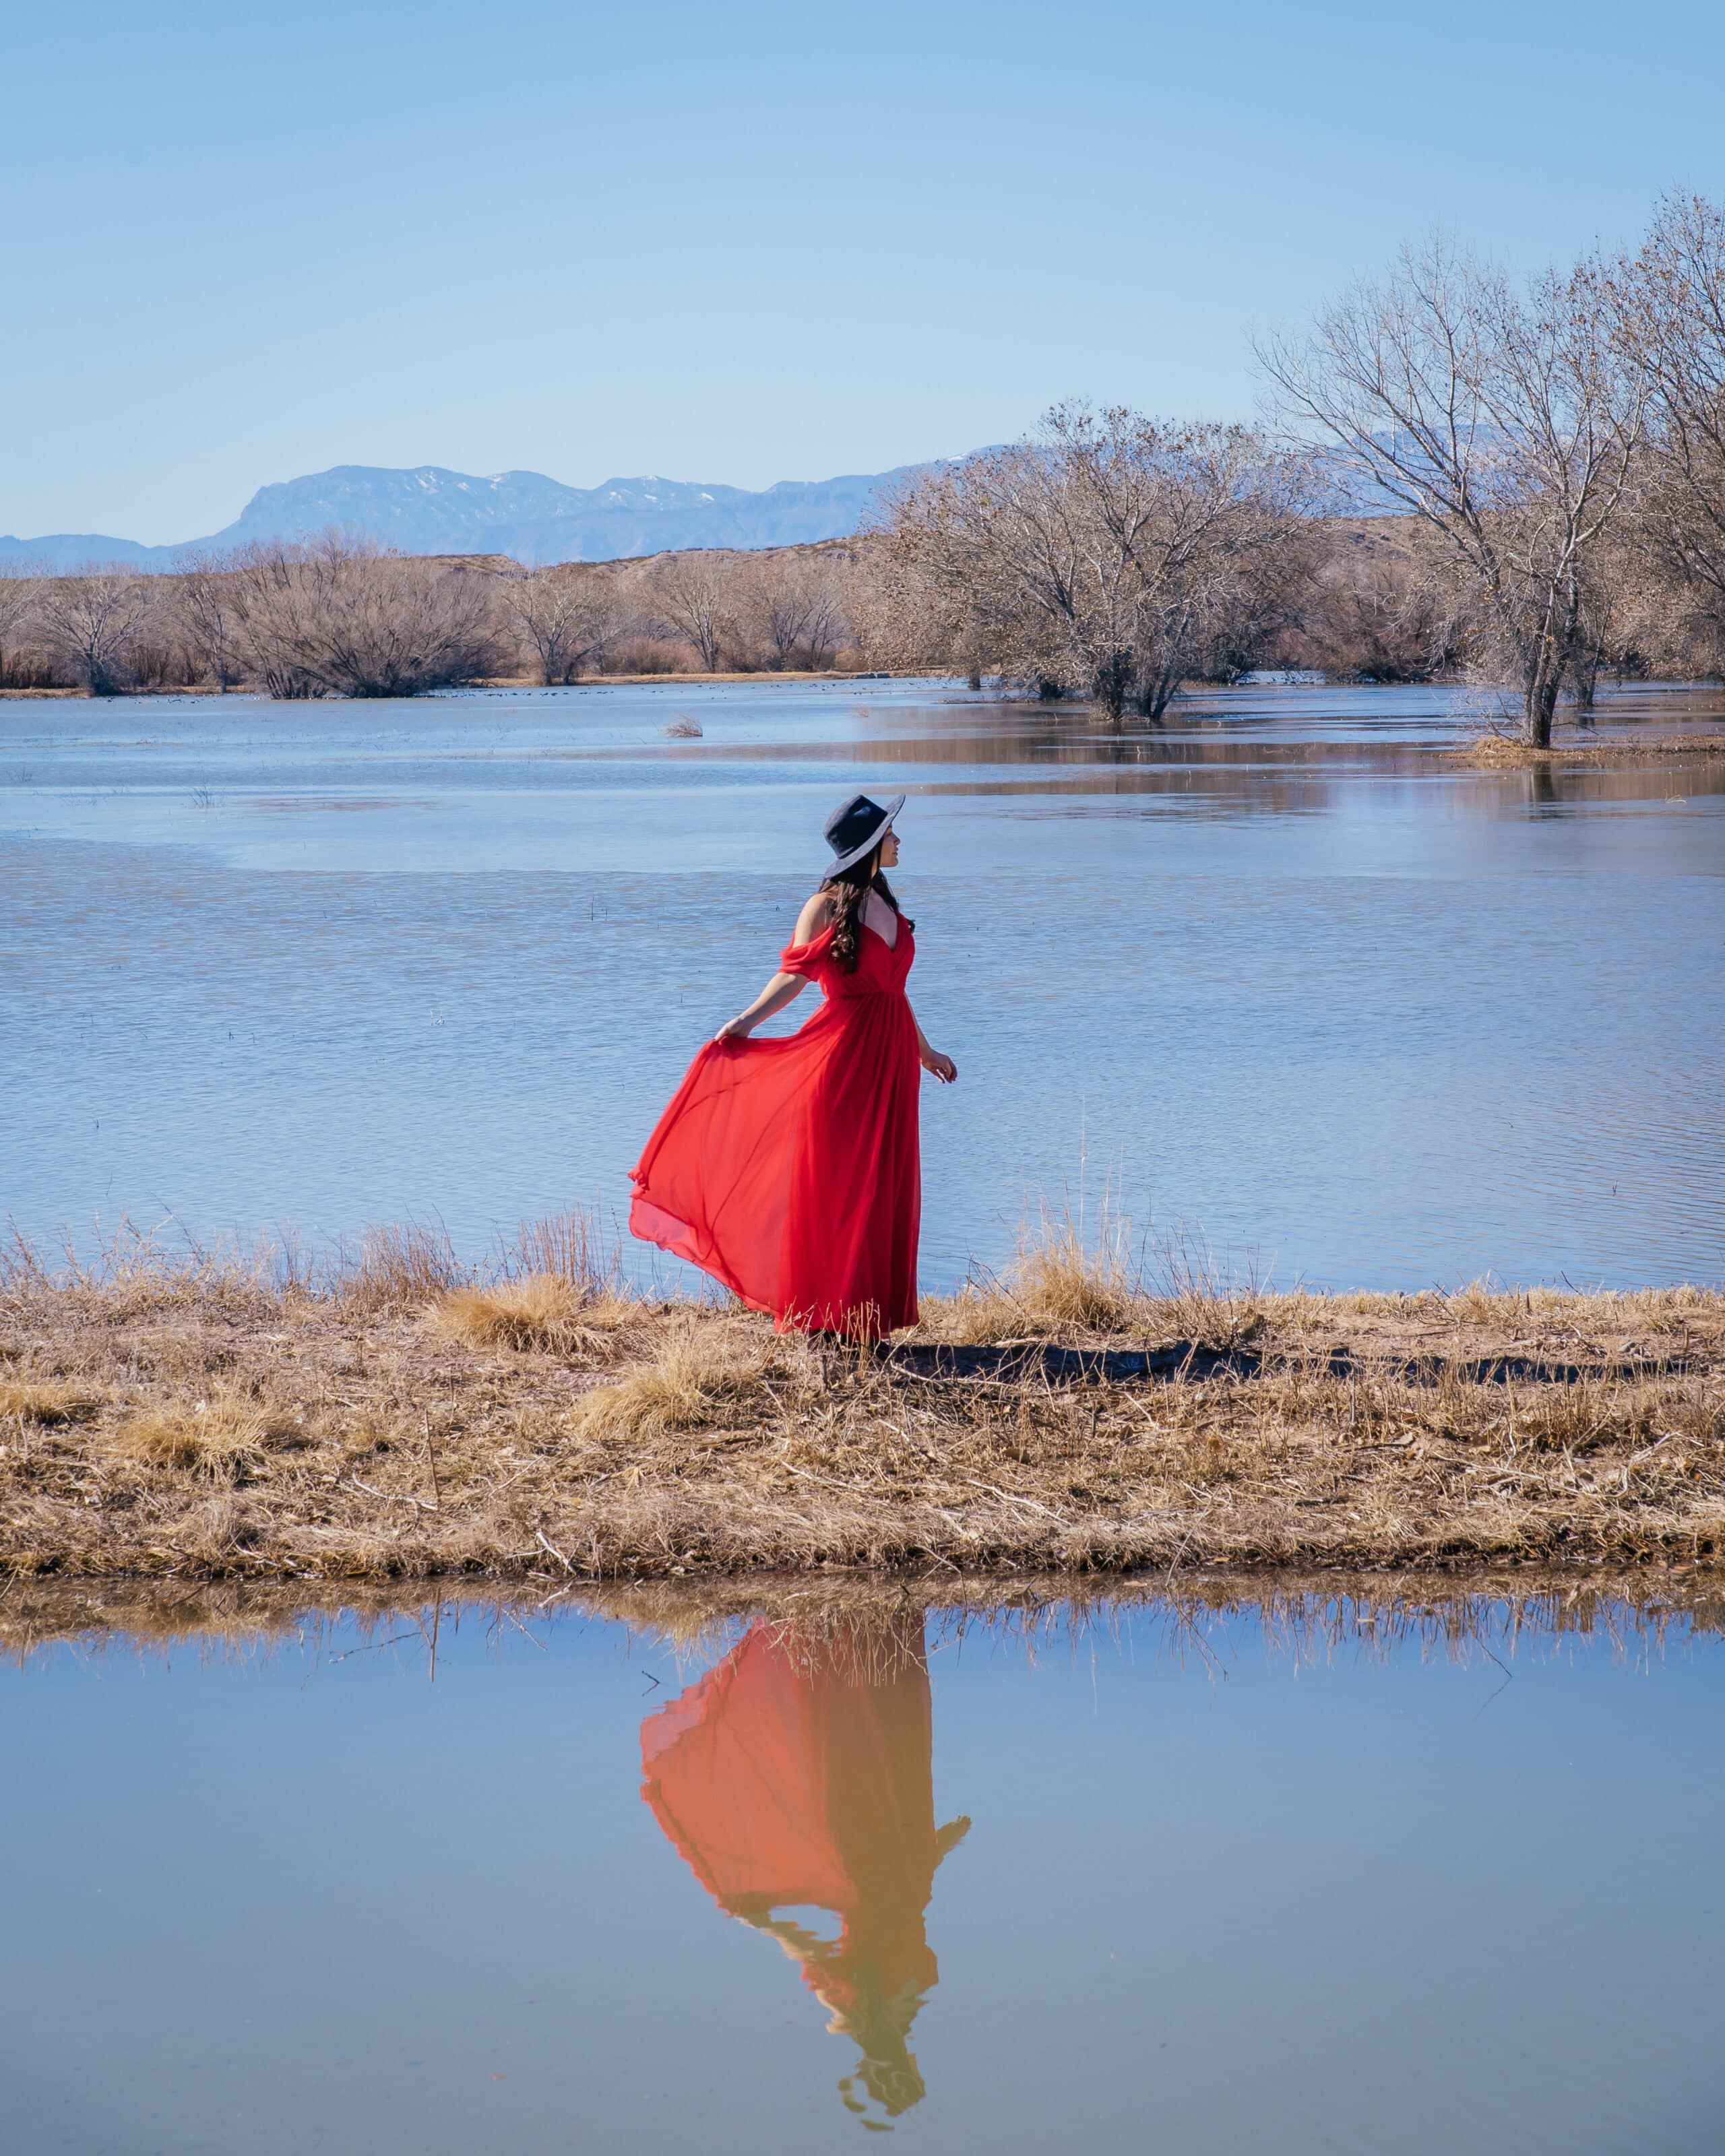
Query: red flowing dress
point(794, 1778)
point(790, 1168)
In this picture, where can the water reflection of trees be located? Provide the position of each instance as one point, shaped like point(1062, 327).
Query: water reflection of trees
point(1241, 773)
point(796, 1776)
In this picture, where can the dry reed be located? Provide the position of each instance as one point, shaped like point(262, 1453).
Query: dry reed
point(398, 1416)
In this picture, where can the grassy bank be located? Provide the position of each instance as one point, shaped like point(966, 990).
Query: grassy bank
point(1577, 745)
point(399, 1420)
point(1455, 1613)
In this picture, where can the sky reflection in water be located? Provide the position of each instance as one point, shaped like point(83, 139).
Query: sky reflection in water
point(1221, 1884)
point(1345, 1008)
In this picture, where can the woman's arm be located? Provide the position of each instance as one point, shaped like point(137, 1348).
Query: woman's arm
point(938, 1065)
point(783, 987)
point(782, 990)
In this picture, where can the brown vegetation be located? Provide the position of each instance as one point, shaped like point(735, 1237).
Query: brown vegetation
point(1558, 444)
point(1482, 1611)
point(1109, 556)
point(401, 1418)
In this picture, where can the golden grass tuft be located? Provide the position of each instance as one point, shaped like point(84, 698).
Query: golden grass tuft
point(1058, 1281)
point(48, 1403)
point(221, 1440)
point(545, 1311)
point(702, 1366)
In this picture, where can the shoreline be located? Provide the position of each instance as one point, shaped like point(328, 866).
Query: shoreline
point(546, 1431)
point(1302, 1610)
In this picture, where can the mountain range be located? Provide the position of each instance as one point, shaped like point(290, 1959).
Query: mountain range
point(429, 510)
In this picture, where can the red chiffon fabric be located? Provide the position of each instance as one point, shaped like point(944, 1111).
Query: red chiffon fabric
point(794, 1780)
point(789, 1169)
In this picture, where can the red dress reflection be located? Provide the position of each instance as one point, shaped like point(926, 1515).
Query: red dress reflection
point(795, 1776)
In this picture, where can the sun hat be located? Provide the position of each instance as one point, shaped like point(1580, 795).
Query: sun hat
point(854, 829)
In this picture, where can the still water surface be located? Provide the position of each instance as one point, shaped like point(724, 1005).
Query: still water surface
point(1217, 1886)
point(1283, 973)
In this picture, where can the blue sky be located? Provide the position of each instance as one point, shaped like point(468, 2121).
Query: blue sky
point(242, 242)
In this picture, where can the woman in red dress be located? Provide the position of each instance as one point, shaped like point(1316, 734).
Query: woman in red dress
point(788, 1168)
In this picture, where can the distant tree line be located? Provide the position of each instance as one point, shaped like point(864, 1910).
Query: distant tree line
point(1470, 476)
point(341, 616)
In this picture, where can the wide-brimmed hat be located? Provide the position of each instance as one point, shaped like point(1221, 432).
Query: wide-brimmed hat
point(854, 829)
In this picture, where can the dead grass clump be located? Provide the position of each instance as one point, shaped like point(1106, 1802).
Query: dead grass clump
point(571, 1247)
point(49, 1402)
point(223, 1440)
point(545, 1311)
point(1199, 1297)
point(400, 1265)
point(1059, 1281)
point(702, 1369)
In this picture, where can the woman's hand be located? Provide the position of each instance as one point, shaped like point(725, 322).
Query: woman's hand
point(782, 990)
point(938, 1065)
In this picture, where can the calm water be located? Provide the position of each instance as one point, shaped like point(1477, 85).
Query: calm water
point(1216, 1890)
point(1281, 974)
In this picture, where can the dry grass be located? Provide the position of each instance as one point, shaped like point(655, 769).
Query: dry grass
point(51, 1402)
point(1310, 1617)
point(542, 1311)
point(199, 1419)
point(1495, 751)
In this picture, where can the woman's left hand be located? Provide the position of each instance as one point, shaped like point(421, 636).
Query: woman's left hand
point(940, 1066)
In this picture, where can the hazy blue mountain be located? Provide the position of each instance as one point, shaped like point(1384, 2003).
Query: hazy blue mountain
point(429, 510)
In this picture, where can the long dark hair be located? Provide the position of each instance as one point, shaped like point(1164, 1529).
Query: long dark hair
point(847, 892)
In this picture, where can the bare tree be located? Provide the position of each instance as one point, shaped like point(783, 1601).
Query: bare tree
point(565, 618)
point(1104, 557)
point(828, 622)
point(1669, 318)
point(794, 606)
point(1508, 420)
point(343, 617)
point(18, 583)
point(93, 621)
point(693, 594)
point(204, 595)
point(777, 600)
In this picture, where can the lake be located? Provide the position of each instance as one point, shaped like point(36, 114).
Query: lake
point(1280, 978)
point(1293, 1873)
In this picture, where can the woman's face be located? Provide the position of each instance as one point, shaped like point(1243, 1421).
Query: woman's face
point(889, 850)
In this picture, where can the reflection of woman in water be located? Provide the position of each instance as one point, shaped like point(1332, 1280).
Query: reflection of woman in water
point(796, 1776)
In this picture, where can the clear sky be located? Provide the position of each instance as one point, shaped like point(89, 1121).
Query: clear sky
point(745, 242)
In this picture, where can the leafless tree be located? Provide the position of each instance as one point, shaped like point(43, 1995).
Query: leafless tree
point(563, 618)
point(342, 617)
point(94, 621)
point(1507, 419)
point(203, 601)
point(1670, 317)
point(693, 593)
point(1108, 556)
point(18, 583)
point(826, 621)
point(791, 605)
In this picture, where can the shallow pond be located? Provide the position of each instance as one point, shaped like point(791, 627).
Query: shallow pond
point(1281, 976)
point(1304, 1876)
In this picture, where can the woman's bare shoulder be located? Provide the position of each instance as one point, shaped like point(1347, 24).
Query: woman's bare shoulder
point(817, 913)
